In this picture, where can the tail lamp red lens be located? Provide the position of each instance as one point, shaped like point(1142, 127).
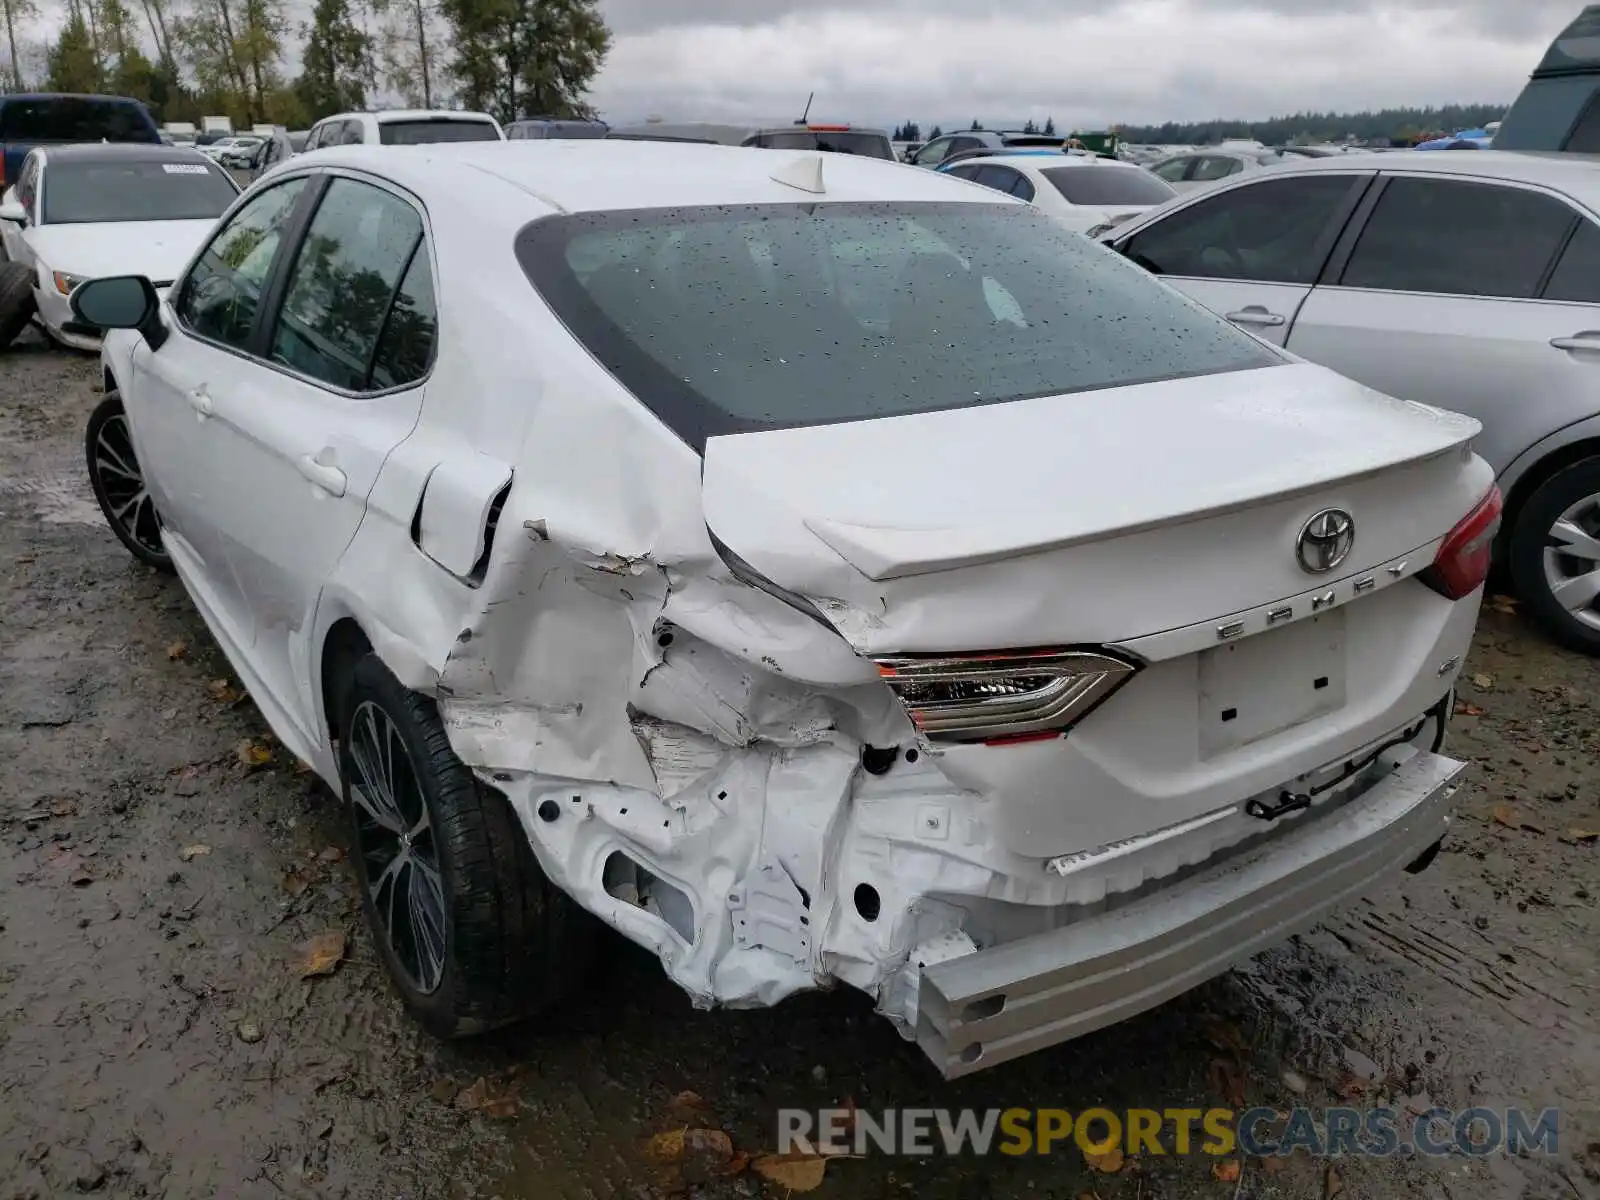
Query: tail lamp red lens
point(1462, 563)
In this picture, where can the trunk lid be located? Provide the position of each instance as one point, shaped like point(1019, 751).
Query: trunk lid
point(1084, 518)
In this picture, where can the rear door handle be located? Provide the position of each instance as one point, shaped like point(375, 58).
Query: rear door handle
point(200, 400)
point(1588, 339)
point(329, 479)
point(1254, 314)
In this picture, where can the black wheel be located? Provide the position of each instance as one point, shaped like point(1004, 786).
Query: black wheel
point(471, 932)
point(118, 483)
point(1555, 555)
point(16, 301)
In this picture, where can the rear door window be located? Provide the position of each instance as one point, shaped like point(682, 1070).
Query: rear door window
point(1458, 238)
point(1576, 278)
point(357, 247)
point(1274, 231)
point(74, 119)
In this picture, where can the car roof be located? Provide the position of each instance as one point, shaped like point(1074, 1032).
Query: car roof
point(118, 152)
point(592, 175)
point(724, 134)
point(1562, 171)
point(13, 97)
point(411, 114)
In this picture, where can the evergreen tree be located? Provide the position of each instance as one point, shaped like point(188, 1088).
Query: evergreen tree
point(517, 58)
point(337, 63)
point(73, 64)
point(1050, 127)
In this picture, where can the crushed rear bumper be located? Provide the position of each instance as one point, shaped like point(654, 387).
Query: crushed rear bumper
point(1009, 1000)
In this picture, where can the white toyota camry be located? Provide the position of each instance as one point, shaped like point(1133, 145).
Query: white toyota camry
point(817, 570)
point(82, 211)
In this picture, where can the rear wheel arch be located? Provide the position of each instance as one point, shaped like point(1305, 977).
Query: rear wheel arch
point(344, 645)
point(1532, 479)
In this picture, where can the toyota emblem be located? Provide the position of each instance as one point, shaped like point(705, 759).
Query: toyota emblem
point(1325, 540)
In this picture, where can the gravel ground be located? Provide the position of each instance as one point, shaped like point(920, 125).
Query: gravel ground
point(165, 873)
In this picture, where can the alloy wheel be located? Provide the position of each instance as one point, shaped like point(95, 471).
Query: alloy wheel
point(1572, 560)
point(128, 502)
point(399, 855)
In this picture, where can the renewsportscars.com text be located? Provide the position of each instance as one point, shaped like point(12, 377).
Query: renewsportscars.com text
point(1260, 1132)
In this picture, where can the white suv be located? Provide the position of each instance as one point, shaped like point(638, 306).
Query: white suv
point(817, 570)
point(403, 127)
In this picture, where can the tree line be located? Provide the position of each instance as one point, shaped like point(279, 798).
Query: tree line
point(191, 58)
point(1382, 125)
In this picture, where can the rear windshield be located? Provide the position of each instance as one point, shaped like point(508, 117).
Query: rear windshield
point(420, 132)
point(725, 320)
point(74, 119)
point(76, 192)
point(868, 145)
point(1108, 185)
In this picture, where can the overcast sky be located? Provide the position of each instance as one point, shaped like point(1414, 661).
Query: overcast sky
point(1085, 62)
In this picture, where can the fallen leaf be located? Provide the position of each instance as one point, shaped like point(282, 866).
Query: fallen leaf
point(737, 1165)
point(253, 755)
point(797, 1172)
point(177, 650)
point(294, 883)
point(331, 854)
point(1223, 1034)
point(1227, 1082)
point(1226, 1171)
point(221, 692)
point(1270, 1165)
point(708, 1144)
point(1483, 681)
point(190, 853)
point(1107, 1162)
point(1502, 604)
point(322, 955)
point(63, 808)
point(500, 1107)
point(1463, 709)
point(1332, 1184)
point(664, 1147)
point(1583, 835)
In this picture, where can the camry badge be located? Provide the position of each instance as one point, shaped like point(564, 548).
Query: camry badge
point(1325, 540)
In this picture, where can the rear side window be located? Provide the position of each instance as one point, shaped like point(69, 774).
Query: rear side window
point(1458, 238)
point(868, 145)
point(1275, 231)
point(853, 311)
point(422, 132)
point(75, 119)
point(357, 248)
point(1577, 276)
point(1108, 185)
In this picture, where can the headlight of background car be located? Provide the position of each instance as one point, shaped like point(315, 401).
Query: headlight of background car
point(65, 283)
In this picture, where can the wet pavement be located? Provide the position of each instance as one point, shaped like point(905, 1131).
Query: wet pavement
point(190, 1005)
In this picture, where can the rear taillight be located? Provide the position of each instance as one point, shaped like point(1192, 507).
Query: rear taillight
point(1462, 563)
point(1012, 695)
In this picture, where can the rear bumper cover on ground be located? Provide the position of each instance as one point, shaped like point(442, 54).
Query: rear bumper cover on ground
point(1001, 1003)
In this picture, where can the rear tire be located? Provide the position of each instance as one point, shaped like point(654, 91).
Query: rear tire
point(1546, 562)
point(16, 301)
point(472, 934)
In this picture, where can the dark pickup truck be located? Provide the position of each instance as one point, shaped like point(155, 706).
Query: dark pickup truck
point(53, 118)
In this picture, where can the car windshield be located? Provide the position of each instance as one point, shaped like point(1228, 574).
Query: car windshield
point(1108, 185)
point(868, 145)
point(435, 129)
point(846, 312)
point(81, 192)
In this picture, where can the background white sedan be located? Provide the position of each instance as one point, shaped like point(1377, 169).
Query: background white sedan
point(82, 212)
point(1086, 192)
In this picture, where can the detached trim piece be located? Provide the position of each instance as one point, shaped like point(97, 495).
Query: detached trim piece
point(1005, 695)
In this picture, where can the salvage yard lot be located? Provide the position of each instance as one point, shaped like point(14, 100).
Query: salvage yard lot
point(190, 1004)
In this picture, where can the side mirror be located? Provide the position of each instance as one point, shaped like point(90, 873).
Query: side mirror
point(11, 209)
point(121, 302)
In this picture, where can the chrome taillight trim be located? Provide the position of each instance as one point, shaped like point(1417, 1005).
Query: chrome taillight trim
point(1072, 683)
